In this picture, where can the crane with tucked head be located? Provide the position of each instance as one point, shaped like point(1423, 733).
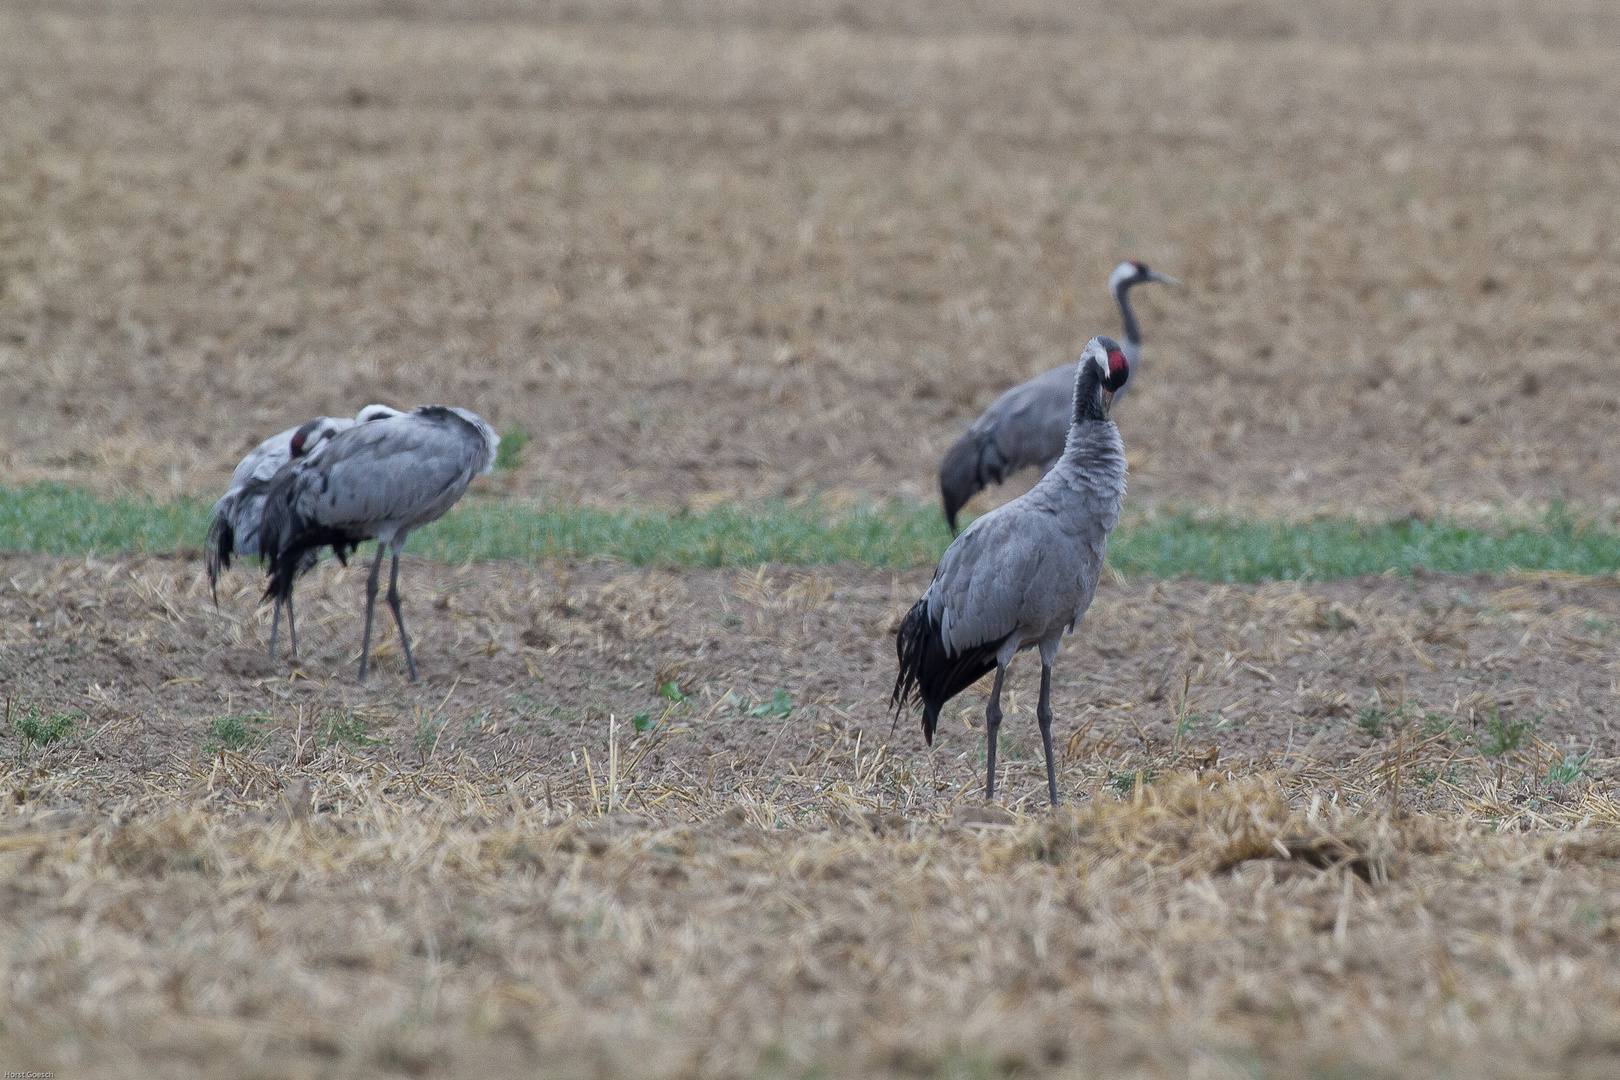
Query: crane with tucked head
point(233, 528)
point(1026, 425)
point(1023, 573)
point(377, 481)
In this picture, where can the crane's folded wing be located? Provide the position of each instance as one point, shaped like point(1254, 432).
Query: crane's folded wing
point(980, 589)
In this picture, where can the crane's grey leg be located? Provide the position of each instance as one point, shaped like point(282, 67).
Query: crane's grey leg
point(275, 624)
point(992, 730)
point(399, 620)
point(371, 605)
point(1043, 713)
point(292, 629)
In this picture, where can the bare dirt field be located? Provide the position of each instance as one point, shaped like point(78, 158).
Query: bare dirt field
point(1363, 826)
point(659, 822)
point(704, 250)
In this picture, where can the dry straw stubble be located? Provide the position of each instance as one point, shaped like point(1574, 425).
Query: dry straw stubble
point(501, 868)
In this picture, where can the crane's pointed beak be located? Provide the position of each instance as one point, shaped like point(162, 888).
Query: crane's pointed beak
point(1107, 402)
point(1164, 279)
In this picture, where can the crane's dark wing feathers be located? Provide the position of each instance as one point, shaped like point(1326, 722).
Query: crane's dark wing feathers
point(298, 553)
point(235, 523)
point(931, 673)
point(289, 541)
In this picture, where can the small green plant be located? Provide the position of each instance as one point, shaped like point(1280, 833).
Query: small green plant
point(1436, 724)
point(671, 691)
point(1567, 770)
point(1183, 722)
point(230, 733)
point(642, 721)
point(509, 455)
point(778, 707)
point(1375, 721)
point(1125, 782)
point(347, 728)
point(429, 730)
point(33, 729)
point(1589, 917)
point(1505, 736)
point(526, 707)
point(1335, 620)
point(1426, 777)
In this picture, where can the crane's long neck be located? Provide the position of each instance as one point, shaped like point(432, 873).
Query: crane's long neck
point(1133, 331)
point(1087, 394)
point(1092, 469)
point(1093, 457)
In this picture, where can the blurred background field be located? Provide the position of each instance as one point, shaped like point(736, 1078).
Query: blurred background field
point(709, 250)
point(739, 271)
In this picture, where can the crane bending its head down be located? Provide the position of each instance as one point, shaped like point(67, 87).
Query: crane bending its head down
point(234, 526)
point(234, 529)
point(377, 481)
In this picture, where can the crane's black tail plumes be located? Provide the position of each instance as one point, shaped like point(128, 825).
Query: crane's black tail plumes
point(297, 553)
point(221, 542)
point(288, 543)
point(283, 572)
point(929, 671)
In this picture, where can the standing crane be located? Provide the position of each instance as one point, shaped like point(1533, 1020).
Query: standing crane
point(1027, 425)
point(233, 528)
point(377, 481)
point(1017, 577)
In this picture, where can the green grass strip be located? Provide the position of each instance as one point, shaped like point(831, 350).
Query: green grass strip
point(58, 520)
point(1229, 550)
point(66, 521)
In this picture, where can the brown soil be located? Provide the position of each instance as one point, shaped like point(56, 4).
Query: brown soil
point(494, 870)
point(528, 665)
point(711, 249)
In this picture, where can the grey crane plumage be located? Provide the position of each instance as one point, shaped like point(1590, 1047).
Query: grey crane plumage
point(1027, 425)
point(233, 528)
point(377, 481)
point(1017, 577)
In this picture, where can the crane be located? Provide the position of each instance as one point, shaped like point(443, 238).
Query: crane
point(377, 481)
point(1017, 577)
point(1027, 425)
point(233, 527)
